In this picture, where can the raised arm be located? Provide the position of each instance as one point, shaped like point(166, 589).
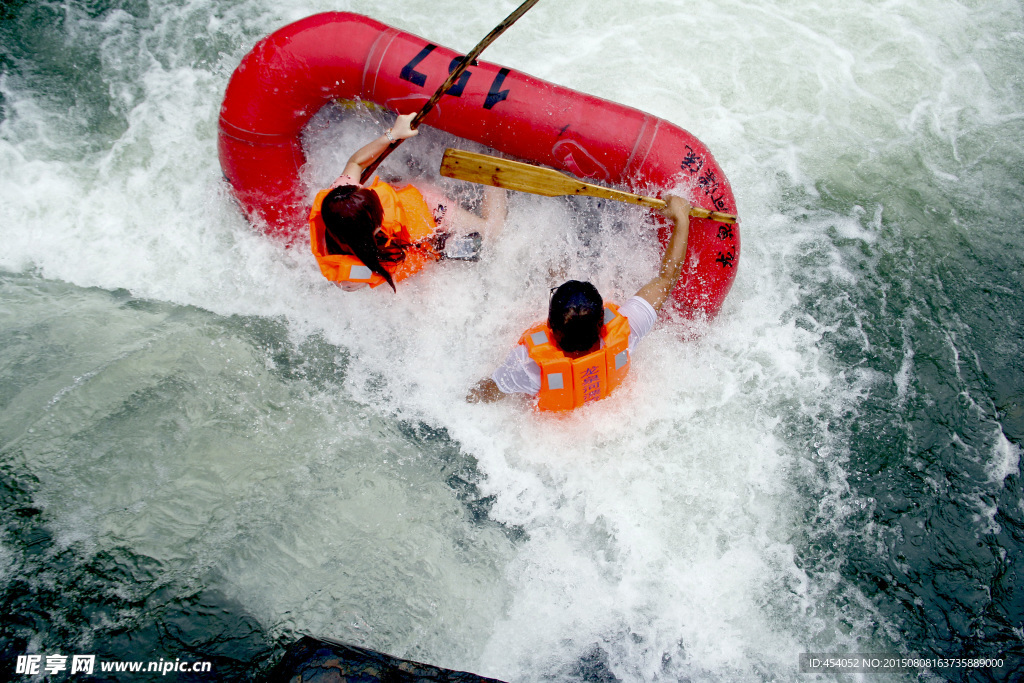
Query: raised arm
point(368, 153)
point(657, 290)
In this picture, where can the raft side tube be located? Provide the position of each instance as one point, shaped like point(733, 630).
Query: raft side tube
point(294, 72)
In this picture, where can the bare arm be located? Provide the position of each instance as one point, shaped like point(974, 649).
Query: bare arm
point(368, 153)
point(657, 290)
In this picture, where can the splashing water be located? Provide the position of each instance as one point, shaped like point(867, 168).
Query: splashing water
point(208, 449)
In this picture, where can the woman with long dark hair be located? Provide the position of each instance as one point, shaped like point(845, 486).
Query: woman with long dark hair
point(368, 236)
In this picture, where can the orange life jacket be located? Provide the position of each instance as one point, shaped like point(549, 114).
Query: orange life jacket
point(406, 218)
point(567, 383)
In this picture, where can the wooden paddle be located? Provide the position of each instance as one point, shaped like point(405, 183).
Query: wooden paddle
point(515, 175)
point(466, 62)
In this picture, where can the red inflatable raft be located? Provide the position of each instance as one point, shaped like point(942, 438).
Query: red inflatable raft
point(291, 74)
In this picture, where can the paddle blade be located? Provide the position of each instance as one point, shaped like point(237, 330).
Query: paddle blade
point(511, 175)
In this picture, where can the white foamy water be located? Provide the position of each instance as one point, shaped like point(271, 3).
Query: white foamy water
point(658, 531)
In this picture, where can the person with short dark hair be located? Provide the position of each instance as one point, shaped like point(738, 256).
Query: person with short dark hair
point(370, 235)
point(583, 350)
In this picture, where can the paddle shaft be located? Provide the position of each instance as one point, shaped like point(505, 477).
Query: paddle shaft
point(515, 175)
point(466, 62)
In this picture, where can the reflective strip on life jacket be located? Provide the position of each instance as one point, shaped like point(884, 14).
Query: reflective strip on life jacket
point(359, 273)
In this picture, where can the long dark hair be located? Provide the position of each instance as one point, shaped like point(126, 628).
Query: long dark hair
point(351, 215)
